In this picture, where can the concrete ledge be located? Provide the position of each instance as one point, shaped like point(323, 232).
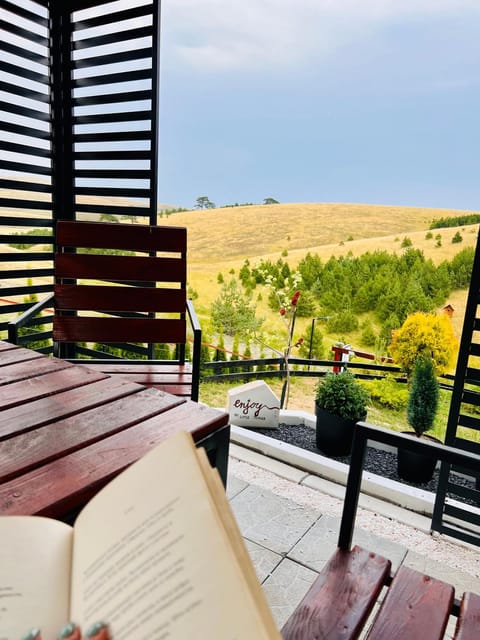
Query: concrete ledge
point(417, 500)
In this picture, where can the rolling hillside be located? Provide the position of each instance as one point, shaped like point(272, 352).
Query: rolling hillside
point(235, 233)
point(221, 239)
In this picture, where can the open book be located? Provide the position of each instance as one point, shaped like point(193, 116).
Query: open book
point(156, 554)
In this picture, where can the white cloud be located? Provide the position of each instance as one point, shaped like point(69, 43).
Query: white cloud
point(223, 35)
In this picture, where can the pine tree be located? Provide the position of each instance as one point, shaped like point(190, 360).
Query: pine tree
point(423, 399)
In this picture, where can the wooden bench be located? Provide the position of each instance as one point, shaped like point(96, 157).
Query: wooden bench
point(123, 284)
point(416, 606)
point(340, 604)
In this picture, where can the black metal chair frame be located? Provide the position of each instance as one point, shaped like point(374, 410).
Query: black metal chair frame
point(365, 432)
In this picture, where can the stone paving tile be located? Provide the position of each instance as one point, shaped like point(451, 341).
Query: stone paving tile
point(234, 486)
point(319, 543)
point(271, 520)
point(460, 580)
point(263, 559)
point(286, 587)
point(451, 626)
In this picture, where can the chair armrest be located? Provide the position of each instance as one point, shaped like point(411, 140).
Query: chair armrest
point(192, 315)
point(365, 432)
point(197, 348)
point(26, 316)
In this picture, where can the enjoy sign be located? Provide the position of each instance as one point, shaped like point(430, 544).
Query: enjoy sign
point(253, 405)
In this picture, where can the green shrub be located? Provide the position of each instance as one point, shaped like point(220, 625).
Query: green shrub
point(32, 232)
point(468, 218)
point(423, 399)
point(342, 395)
point(457, 238)
point(345, 321)
point(368, 337)
point(161, 351)
point(388, 393)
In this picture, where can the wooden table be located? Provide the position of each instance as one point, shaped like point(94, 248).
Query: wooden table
point(66, 430)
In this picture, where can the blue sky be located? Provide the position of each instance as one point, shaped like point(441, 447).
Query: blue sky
point(368, 101)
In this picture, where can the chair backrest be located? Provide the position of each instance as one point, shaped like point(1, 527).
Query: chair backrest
point(105, 292)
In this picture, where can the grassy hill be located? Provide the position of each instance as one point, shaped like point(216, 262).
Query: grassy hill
point(221, 239)
point(235, 233)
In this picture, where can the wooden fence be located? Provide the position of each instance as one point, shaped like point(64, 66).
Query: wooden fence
point(246, 370)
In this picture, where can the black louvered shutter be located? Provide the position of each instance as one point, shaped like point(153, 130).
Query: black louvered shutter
point(78, 132)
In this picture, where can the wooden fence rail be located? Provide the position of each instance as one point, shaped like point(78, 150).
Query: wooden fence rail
point(254, 369)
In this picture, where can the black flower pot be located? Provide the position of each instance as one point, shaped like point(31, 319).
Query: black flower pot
point(416, 467)
point(334, 435)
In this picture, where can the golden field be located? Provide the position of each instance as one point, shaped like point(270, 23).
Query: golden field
point(221, 239)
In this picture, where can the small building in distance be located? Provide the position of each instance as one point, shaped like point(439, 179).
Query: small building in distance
point(448, 310)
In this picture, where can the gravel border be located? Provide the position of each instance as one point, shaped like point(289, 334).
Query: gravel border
point(377, 461)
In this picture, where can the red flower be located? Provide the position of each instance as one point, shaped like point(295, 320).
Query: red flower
point(295, 298)
point(283, 311)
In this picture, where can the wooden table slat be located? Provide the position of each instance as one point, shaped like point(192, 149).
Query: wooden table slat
point(142, 369)
point(7, 346)
point(18, 354)
point(64, 484)
point(26, 451)
point(416, 607)
point(25, 369)
point(46, 385)
point(34, 414)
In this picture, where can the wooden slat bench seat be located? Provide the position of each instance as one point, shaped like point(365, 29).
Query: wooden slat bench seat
point(410, 605)
point(340, 600)
point(468, 623)
point(176, 380)
point(415, 606)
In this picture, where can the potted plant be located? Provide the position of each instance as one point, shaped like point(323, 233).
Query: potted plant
point(421, 409)
point(340, 403)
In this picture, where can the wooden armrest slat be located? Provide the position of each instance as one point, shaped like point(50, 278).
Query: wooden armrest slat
point(341, 598)
point(416, 607)
point(468, 623)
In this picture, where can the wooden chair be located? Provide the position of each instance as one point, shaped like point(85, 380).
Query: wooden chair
point(340, 602)
point(106, 293)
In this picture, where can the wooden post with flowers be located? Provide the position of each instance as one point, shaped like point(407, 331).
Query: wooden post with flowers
point(288, 310)
point(289, 315)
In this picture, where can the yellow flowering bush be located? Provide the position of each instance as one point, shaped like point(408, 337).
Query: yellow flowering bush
point(425, 334)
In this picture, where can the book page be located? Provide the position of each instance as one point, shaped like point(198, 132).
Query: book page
point(151, 557)
point(35, 559)
point(230, 529)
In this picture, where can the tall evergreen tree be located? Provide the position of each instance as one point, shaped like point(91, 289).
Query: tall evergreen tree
point(423, 398)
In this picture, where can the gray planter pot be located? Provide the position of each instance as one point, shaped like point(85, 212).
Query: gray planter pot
point(416, 467)
point(334, 435)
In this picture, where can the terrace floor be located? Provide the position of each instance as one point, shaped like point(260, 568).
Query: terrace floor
point(290, 519)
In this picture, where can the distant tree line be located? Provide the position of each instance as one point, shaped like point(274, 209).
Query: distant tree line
point(459, 221)
point(204, 202)
point(32, 232)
